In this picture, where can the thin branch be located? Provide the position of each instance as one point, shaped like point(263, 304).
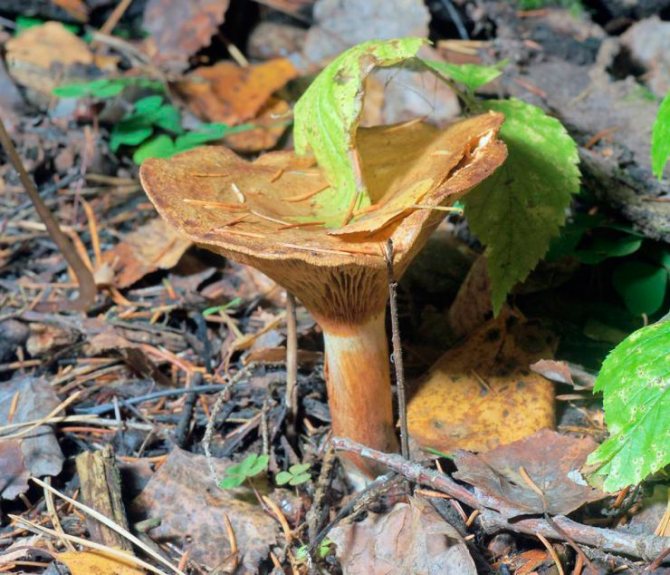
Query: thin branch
point(397, 352)
point(87, 287)
point(291, 359)
point(643, 547)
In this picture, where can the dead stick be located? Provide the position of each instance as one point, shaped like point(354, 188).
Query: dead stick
point(291, 359)
point(397, 352)
point(87, 288)
point(644, 547)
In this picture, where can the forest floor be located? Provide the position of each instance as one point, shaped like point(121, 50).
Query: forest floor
point(124, 408)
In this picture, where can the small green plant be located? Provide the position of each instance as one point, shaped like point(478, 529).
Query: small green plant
point(251, 466)
point(153, 126)
point(324, 549)
point(296, 475)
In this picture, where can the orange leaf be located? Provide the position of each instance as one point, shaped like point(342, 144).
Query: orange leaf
point(96, 563)
point(230, 94)
point(75, 8)
point(481, 394)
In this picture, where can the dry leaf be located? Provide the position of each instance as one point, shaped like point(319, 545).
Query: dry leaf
point(481, 394)
point(551, 461)
point(153, 246)
point(96, 563)
point(411, 538)
point(42, 57)
point(271, 123)
point(191, 507)
point(75, 8)
point(231, 94)
point(179, 28)
point(36, 453)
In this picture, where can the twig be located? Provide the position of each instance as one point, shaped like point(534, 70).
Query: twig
point(291, 359)
point(363, 499)
point(115, 17)
point(181, 430)
point(107, 407)
point(644, 547)
point(456, 19)
point(209, 430)
point(397, 351)
point(113, 526)
point(87, 288)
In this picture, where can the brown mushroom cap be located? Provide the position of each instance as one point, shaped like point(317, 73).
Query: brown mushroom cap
point(267, 213)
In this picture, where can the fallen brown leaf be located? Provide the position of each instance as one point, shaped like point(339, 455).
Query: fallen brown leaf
point(232, 94)
point(96, 563)
point(411, 538)
point(271, 123)
point(179, 28)
point(191, 507)
point(549, 459)
point(151, 247)
point(481, 394)
point(36, 453)
point(42, 57)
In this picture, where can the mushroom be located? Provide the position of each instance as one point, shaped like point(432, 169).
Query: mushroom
point(269, 214)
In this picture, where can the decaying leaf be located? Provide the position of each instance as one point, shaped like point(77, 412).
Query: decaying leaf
point(411, 538)
point(42, 57)
point(151, 247)
point(96, 563)
point(270, 125)
point(193, 509)
point(231, 94)
point(549, 459)
point(179, 28)
point(481, 394)
point(36, 453)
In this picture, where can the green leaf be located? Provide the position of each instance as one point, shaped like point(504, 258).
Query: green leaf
point(258, 464)
point(232, 481)
point(283, 477)
point(642, 286)
point(145, 106)
point(472, 76)
point(168, 118)
point(635, 381)
point(660, 138)
point(126, 135)
point(326, 117)
point(300, 479)
point(298, 468)
point(517, 210)
point(161, 146)
point(604, 247)
point(101, 89)
point(208, 133)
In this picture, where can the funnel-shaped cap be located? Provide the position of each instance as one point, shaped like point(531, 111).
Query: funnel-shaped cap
point(273, 213)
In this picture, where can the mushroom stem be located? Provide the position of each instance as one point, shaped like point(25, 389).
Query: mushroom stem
point(359, 388)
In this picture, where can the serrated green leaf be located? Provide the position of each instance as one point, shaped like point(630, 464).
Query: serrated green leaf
point(125, 135)
point(161, 146)
point(635, 381)
point(642, 286)
point(326, 118)
point(660, 138)
point(472, 76)
point(517, 210)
